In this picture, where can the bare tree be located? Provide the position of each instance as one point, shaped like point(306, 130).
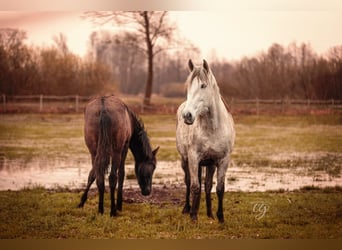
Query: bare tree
point(151, 28)
point(61, 42)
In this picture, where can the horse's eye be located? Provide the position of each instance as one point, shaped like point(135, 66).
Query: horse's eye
point(203, 86)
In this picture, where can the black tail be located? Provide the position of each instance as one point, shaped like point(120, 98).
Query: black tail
point(104, 143)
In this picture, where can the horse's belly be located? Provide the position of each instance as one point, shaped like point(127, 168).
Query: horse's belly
point(207, 162)
point(212, 154)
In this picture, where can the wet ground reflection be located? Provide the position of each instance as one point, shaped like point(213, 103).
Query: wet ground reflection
point(15, 175)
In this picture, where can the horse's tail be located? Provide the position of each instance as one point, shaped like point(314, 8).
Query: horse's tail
point(104, 143)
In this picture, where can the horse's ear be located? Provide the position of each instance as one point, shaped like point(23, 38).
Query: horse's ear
point(155, 151)
point(191, 65)
point(205, 65)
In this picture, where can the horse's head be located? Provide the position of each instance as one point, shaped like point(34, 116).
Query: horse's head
point(201, 87)
point(144, 172)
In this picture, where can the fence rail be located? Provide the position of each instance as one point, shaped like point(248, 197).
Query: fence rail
point(75, 103)
point(74, 100)
point(289, 101)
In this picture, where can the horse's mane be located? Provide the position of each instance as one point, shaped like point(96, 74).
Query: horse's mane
point(225, 104)
point(201, 74)
point(140, 143)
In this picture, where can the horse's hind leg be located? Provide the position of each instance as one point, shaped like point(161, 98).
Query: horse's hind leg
point(101, 188)
point(221, 173)
point(113, 178)
point(210, 170)
point(120, 184)
point(100, 166)
point(112, 184)
point(91, 179)
point(185, 167)
point(121, 177)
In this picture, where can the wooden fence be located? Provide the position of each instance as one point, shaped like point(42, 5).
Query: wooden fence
point(257, 106)
point(38, 102)
point(76, 103)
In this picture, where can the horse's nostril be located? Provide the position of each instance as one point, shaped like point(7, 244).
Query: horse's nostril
point(187, 116)
point(188, 119)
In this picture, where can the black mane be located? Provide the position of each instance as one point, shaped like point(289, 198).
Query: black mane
point(140, 143)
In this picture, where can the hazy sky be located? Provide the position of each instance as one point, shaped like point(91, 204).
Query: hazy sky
point(232, 34)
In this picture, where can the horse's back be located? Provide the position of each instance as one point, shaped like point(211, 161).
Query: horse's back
point(111, 103)
point(116, 110)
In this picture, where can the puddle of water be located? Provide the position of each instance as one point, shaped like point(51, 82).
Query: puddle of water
point(15, 175)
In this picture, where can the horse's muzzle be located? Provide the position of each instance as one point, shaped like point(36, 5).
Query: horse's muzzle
point(188, 118)
point(146, 191)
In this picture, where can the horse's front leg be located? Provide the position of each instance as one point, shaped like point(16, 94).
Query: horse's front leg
point(221, 174)
point(185, 167)
point(194, 187)
point(210, 170)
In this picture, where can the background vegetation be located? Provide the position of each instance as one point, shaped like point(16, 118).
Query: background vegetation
point(116, 64)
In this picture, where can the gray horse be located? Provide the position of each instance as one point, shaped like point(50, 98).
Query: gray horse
point(205, 137)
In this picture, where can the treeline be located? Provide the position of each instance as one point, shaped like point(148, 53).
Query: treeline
point(293, 72)
point(115, 63)
point(53, 70)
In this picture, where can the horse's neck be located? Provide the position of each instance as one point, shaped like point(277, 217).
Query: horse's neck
point(139, 144)
point(217, 110)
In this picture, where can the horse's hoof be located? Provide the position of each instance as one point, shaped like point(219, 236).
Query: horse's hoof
point(220, 217)
point(113, 214)
point(193, 218)
point(211, 216)
point(186, 209)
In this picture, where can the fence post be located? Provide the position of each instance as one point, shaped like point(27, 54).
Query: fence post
point(4, 102)
point(41, 103)
point(257, 106)
point(76, 104)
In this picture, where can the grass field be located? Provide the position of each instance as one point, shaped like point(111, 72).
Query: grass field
point(275, 141)
point(311, 143)
point(41, 214)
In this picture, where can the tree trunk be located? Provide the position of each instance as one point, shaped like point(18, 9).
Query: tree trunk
point(149, 80)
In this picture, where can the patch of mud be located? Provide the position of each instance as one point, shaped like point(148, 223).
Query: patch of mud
point(174, 194)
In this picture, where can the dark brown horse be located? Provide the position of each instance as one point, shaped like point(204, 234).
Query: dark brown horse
point(111, 128)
